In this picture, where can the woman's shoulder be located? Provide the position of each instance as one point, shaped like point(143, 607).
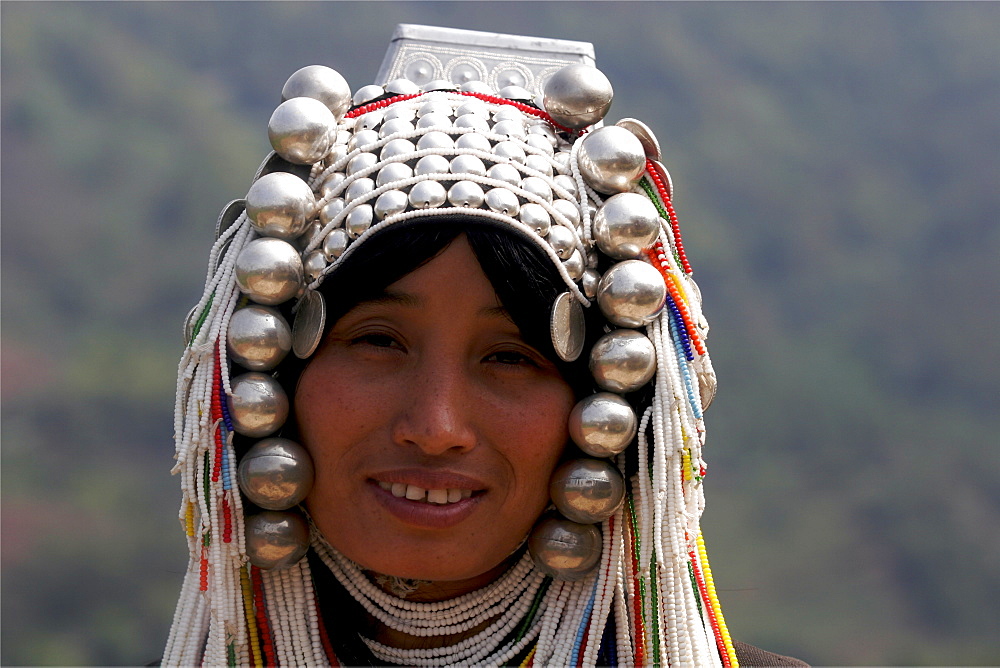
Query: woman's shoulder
point(754, 657)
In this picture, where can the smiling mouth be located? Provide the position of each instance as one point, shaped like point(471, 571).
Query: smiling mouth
point(419, 494)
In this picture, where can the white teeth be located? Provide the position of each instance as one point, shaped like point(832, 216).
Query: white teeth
point(437, 496)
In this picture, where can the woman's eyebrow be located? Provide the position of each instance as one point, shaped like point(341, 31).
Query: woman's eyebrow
point(387, 298)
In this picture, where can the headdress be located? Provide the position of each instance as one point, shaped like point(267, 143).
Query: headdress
point(492, 132)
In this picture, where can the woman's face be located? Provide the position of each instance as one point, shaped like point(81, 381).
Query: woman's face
point(433, 426)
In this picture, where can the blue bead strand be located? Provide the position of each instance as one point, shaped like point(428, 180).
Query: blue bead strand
point(682, 362)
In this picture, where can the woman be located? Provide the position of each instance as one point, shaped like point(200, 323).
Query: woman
point(493, 452)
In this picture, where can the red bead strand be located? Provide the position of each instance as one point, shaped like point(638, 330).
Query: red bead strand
point(227, 522)
point(654, 257)
point(262, 625)
point(671, 214)
point(707, 605)
point(216, 415)
point(325, 638)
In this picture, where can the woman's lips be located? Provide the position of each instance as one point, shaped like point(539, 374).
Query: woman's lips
point(431, 507)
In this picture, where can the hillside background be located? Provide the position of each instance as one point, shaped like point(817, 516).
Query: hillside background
point(836, 170)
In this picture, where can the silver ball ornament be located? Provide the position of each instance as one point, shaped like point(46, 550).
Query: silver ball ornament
point(276, 540)
point(563, 549)
point(631, 293)
point(258, 338)
point(563, 241)
point(280, 205)
point(577, 96)
point(626, 225)
point(623, 361)
point(611, 159)
point(276, 473)
point(466, 194)
point(603, 424)
point(320, 83)
point(269, 271)
point(301, 130)
point(587, 490)
point(258, 405)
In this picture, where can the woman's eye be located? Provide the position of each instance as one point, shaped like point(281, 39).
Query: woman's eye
point(511, 357)
point(376, 340)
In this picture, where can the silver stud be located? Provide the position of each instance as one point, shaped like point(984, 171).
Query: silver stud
point(276, 473)
point(434, 105)
point(258, 338)
point(588, 283)
point(427, 195)
point(603, 424)
point(431, 164)
point(563, 549)
point(577, 95)
point(512, 129)
point(361, 162)
point(398, 111)
point(563, 241)
point(359, 188)
point(396, 148)
point(258, 405)
point(335, 244)
point(506, 112)
point(506, 173)
point(587, 491)
point(575, 265)
point(473, 121)
point(393, 126)
point(466, 194)
point(362, 139)
point(562, 162)
point(276, 540)
point(539, 163)
point(475, 107)
point(515, 94)
point(536, 217)
point(436, 139)
point(301, 130)
point(269, 271)
point(402, 87)
point(543, 129)
point(567, 183)
point(313, 264)
point(280, 204)
point(538, 187)
point(438, 84)
point(367, 94)
point(631, 293)
point(434, 120)
point(480, 87)
point(321, 83)
point(611, 159)
point(359, 220)
point(474, 141)
point(568, 209)
point(503, 201)
point(390, 203)
point(467, 164)
point(623, 361)
point(332, 209)
point(541, 143)
point(509, 150)
point(394, 171)
point(626, 225)
point(369, 121)
point(331, 184)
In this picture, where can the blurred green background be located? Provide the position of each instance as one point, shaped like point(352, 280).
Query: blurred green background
point(836, 171)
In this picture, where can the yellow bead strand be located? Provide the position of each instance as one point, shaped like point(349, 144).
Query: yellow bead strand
point(706, 570)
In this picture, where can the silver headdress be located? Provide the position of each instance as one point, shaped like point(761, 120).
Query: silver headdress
point(508, 130)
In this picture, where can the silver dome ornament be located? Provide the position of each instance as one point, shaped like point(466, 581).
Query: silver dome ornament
point(539, 163)
point(437, 139)
point(258, 405)
point(503, 201)
point(402, 87)
point(480, 87)
point(280, 205)
point(650, 146)
point(623, 361)
point(536, 217)
point(510, 150)
point(611, 159)
point(434, 104)
point(276, 540)
point(477, 123)
point(335, 243)
point(466, 194)
point(395, 171)
point(312, 231)
point(563, 241)
point(473, 106)
point(588, 283)
point(310, 319)
point(568, 209)
point(626, 225)
point(390, 203)
point(431, 164)
point(361, 162)
point(506, 173)
point(538, 187)
point(331, 184)
point(603, 424)
point(577, 96)
point(396, 148)
point(474, 141)
point(258, 338)
point(275, 473)
point(575, 265)
point(438, 84)
point(587, 490)
point(631, 293)
point(567, 327)
point(467, 164)
point(314, 263)
point(427, 195)
point(400, 112)
point(332, 209)
point(394, 126)
point(362, 139)
point(320, 83)
point(359, 220)
point(512, 129)
point(434, 120)
point(269, 271)
point(367, 94)
point(301, 130)
point(359, 188)
point(507, 112)
point(563, 549)
point(515, 94)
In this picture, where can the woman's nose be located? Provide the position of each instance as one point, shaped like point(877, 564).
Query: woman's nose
point(437, 414)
